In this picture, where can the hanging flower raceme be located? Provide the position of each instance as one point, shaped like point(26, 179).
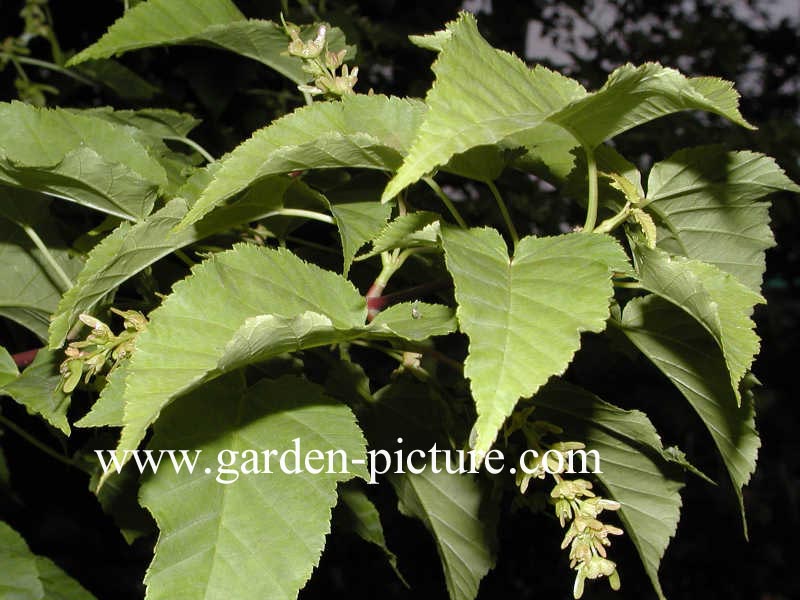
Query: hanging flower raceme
point(587, 536)
point(573, 500)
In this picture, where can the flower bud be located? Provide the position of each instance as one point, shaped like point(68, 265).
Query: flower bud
point(99, 329)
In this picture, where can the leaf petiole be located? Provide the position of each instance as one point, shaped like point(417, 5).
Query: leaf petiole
point(391, 263)
point(196, 147)
point(612, 223)
point(591, 211)
point(447, 202)
point(66, 282)
point(299, 212)
point(504, 211)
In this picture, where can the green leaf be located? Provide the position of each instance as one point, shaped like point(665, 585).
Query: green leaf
point(524, 315)
point(482, 163)
point(132, 248)
point(20, 576)
point(370, 132)
point(716, 299)
point(347, 380)
point(549, 153)
point(634, 471)
point(455, 508)
point(152, 126)
point(8, 368)
point(188, 334)
point(362, 518)
point(358, 223)
point(214, 546)
point(356, 210)
point(109, 409)
point(161, 123)
point(84, 177)
point(36, 389)
point(633, 96)
point(119, 499)
point(575, 181)
point(78, 157)
point(409, 230)
point(678, 456)
point(31, 287)
point(433, 41)
point(611, 161)
point(266, 42)
point(215, 23)
point(159, 22)
point(415, 321)
point(57, 584)
point(484, 97)
point(706, 205)
point(23, 207)
point(689, 357)
point(450, 508)
point(481, 96)
point(30, 577)
point(647, 226)
point(121, 80)
point(265, 336)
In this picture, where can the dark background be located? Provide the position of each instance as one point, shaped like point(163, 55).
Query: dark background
point(755, 44)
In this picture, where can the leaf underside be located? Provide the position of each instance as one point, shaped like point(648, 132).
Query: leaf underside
point(79, 157)
point(524, 315)
point(215, 546)
point(688, 356)
point(483, 96)
point(188, 333)
point(716, 299)
point(706, 203)
point(369, 132)
point(131, 248)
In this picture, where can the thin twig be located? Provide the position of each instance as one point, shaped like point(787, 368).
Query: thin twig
point(34, 442)
point(412, 293)
point(50, 66)
point(23, 359)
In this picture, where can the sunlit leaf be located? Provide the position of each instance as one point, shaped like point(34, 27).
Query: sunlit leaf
point(216, 545)
point(524, 314)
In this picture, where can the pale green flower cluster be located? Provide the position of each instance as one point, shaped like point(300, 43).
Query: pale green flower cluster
point(587, 536)
point(90, 355)
point(574, 502)
point(321, 63)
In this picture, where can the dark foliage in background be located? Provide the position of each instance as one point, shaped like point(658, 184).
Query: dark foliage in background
point(58, 515)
